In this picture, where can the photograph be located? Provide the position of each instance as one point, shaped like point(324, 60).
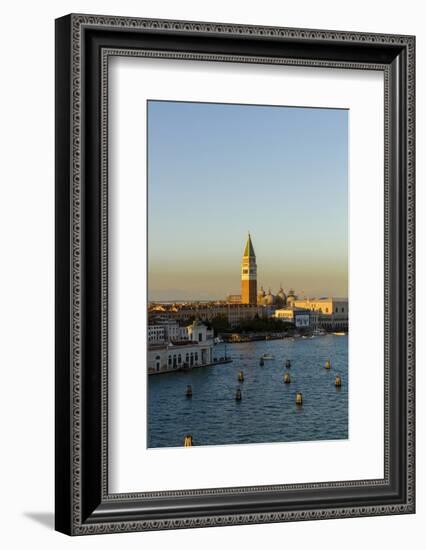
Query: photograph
point(248, 248)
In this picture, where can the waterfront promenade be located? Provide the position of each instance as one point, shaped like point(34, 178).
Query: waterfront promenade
point(267, 410)
point(216, 362)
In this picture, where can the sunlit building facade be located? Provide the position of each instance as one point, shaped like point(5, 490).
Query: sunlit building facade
point(194, 349)
point(333, 313)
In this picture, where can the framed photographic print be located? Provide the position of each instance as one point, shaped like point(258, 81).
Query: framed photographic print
point(234, 274)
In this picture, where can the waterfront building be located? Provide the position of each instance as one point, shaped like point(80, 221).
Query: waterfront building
point(300, 318)
point(194, 351)
point(249, 274)
point(198, 332)
point(285, 314)
point(163, 331)
point(156, 334)
point(333, 313)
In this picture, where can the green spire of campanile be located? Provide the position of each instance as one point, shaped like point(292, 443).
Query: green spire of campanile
point(248, 249)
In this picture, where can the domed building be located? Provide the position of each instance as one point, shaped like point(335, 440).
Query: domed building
point(260, 296)
point(280, 298)
point(291, 297)
point(269, 299)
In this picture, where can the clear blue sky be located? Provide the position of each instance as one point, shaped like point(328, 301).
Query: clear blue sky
point(216, 171)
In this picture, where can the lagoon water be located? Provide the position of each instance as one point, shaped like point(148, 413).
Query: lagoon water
point(267, 410)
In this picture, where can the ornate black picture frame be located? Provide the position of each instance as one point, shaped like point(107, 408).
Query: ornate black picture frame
point(83, 45)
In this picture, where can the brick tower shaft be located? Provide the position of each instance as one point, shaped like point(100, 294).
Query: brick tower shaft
point(249, 274)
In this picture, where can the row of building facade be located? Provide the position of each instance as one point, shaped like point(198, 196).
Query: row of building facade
point(328, 313)
point(174, 347)
point(324, 313)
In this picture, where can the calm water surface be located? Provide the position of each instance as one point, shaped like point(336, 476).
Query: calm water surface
point(267, 411)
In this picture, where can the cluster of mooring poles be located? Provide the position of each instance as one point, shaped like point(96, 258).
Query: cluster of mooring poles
point(338, 378)
point(188, 442)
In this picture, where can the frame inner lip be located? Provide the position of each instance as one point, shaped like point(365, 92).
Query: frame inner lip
point(106, 53)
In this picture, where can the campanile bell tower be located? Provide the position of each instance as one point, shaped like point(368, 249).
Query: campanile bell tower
point(249, 274)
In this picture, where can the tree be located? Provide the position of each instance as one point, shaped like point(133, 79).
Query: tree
point(263, 325)
point(220, 323)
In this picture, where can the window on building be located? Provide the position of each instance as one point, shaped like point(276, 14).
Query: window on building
point(343, 310)
point(200, 336)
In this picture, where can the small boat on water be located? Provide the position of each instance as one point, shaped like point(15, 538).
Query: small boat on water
point(339, 333)
point(267, 356)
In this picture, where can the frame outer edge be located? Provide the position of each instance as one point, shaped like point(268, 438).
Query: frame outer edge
point(63, 496)
point(77, 22)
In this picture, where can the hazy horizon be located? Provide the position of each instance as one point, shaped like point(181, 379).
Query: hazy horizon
point(217, 171)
